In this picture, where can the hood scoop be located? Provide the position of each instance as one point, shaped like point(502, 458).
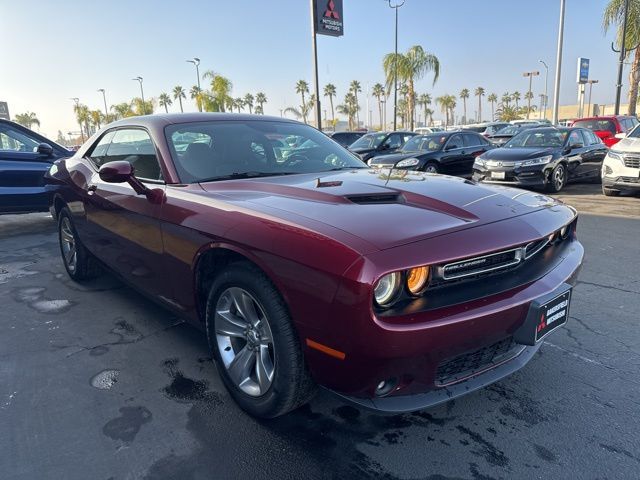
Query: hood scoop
point(376, 198)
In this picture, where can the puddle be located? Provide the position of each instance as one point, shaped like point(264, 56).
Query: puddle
point(12, 271)
point(181, 388)
point(51, 306)
point(128, 424)
point(105, 379)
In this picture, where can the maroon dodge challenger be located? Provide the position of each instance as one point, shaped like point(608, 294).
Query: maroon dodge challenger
point(397, 290)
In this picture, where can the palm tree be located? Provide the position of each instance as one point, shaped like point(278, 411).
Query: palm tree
point(83, 117)
point(220, 98)
point(330, 91)
point(196, 94)
point(164, 100)
point(528, 96)
point(492, 98)
point(614, 14)
point(261, 99)
point(248, 102)
point(349, 108)
point(428, 112)
point(506, 98)
point(464, 94)
point(516, 97)
point(447, 104)
point(411, 66)
point(425, 100)
point(507, 113)
point(302, 87)
point(238, 103)
point(355, 88)
point(27, 119)
point(96, 119)
point(140, 108)
point(122, 110)
point(179, 94)
point(479, 92)
point(378, 92)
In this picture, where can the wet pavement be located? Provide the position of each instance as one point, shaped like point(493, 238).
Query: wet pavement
point(98, 382)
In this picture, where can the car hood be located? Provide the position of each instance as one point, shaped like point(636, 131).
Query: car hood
point(384, 212)
point(628, 145)
point(510, 154)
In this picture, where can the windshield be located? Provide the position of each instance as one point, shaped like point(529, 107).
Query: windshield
point(215, 150)
point(427, 143)
point(606, 125)
point(537, 138)
point(510, 130)
point(635, 133)
point(371, 140)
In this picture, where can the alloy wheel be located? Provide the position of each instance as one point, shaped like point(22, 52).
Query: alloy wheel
point(245, 341)
point(68, 243)
point(431, 168)
point(558, 177)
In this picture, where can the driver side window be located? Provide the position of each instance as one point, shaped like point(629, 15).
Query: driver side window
point(134, 146)
point(455, 142)
point(575, 138)
point(394, 141)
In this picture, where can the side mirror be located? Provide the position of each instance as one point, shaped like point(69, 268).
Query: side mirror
point(44, 149)
point(116, 172)
point(383, 146)
point(621, 135)
point(574, 146)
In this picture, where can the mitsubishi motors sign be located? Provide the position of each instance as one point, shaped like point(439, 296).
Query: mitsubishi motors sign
point(328, 17)
point(4, 111)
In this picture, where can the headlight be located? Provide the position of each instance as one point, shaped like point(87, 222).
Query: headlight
point(538, 161)
point(564, 232)
point(387, 288)
point(480, 162)
point(417, 280)
point(408, 162)
point(615, 155)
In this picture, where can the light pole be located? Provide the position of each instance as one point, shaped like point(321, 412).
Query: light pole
point(556, 87)
point(104, 97)
point(196, 62)
point(144, 105)
point(530, 75)
point(623, 53)
point(590, 82)
point(546, 86)
point(77, 102)
point(395, 68)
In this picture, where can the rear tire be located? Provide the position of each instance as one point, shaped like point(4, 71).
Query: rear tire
point(78, 262)
point(267, 377)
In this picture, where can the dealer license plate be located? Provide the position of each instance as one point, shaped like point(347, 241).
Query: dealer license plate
point(553, 314)
point(498, 175)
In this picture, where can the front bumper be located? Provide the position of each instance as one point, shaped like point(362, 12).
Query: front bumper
point(411, 346)
point(534, 176)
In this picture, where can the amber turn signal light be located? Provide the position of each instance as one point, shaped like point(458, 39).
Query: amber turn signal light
point(417, 279)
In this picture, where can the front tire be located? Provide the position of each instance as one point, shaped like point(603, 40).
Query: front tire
point(78, 262)
point(254, 344)
point(431, 167)
point(558, 178)
point(609, 192)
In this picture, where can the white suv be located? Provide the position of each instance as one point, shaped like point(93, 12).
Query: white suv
point(621, 166)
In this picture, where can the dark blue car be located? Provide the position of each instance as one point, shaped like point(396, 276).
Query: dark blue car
point(25, 156)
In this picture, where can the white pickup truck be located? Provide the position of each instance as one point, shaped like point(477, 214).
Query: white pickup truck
point(621, 166)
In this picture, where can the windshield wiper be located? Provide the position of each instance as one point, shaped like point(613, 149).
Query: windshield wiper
point(335, 169)
point(250, 174)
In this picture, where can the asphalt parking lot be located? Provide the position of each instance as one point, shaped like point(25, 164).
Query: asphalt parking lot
point(98, 382)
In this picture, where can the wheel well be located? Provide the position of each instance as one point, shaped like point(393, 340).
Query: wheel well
point(58, 205)
point(210, 264)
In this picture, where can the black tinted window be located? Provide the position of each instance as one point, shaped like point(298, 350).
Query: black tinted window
point(135, 146)
point(15, 141)
point(99, 151)
point(455, 142)
point(471, 140)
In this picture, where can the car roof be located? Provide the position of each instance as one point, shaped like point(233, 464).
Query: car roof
point(163, 119)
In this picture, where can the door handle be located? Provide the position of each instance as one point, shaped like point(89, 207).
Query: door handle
point(92, 188)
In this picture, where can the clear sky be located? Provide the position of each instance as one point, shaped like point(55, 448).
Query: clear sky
point(54, 50)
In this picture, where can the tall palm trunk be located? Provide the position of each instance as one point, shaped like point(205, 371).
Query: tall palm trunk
point(304, 108)
point(634, 78)
point(380, 112)
point(479, 108)
point(357, 109)
point(166, 109)
point(464, 109)
point(180, 100)
point(493, 113)
point(411, 103)
point(333, 115)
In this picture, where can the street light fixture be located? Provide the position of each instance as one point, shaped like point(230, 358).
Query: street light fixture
point(104, 97)
point(196, 62)
point(395, 67)
point(144, 105)
point(546, 86)
point(590, 82)
point(530, 75)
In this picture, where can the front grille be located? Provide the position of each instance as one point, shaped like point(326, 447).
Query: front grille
point(484, 264)
point(629, 179)
point(631, 161)
point(470, 363)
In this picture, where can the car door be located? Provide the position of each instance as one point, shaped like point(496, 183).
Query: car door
point(392, 143)
point(454, 156)
point(123, 228)
point(575, 148)
point(593, 155)
point(22, 169)
point(475, 145)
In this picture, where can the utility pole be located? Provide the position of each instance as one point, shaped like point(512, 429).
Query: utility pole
point(76, 100)
point(395, 68)
point(144, 105)
point(546, 86)
point(316, 82)
point(556, 89)
point(590, 82)
point(623, 54)
point(104, 97)
point(530, 75)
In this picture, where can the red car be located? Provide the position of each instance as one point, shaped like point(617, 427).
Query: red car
point(607, 127)
point(395, 289)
